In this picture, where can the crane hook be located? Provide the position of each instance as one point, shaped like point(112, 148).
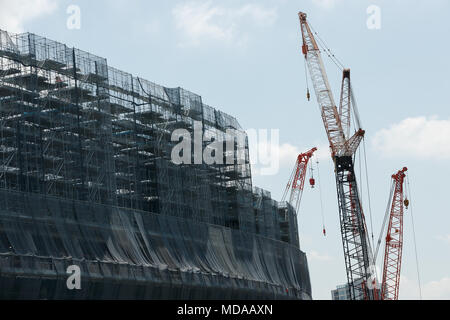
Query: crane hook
point(312, 181)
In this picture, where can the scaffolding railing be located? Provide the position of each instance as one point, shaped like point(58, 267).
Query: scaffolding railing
point(73, 127)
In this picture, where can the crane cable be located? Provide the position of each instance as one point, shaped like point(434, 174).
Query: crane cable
point(386, 215)
point(355, 108)
point(414, 237)
point(360, 188)
point(327, 50)
point(290, 182)
point(320, 196)
point(373, 258)
point(308, 94)
point(368, 190)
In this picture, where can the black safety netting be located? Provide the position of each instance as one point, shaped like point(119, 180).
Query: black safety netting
point(132, 254)
point(88, 179)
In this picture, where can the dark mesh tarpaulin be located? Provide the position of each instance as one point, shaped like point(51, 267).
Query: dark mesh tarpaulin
point(126, 254)
point(87, 179)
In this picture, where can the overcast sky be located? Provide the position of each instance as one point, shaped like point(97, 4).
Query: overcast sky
point(243, 57)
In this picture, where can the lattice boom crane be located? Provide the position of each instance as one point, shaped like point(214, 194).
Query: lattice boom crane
point(357, 251)
point(296, 181)
point(394, 239)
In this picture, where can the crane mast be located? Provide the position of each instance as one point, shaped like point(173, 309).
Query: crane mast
point(357, 250)
point(394, 240)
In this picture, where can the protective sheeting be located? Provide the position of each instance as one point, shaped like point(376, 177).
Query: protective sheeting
point(89, 176)
point(129, 254)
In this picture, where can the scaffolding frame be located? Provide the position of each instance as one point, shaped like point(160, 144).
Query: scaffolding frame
point(73, 127)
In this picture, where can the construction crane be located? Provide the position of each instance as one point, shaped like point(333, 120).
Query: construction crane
point(296, 181)
point(359, 260)
point(394, 237)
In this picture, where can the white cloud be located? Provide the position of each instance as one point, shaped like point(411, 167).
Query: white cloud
point(421, 137)
point(203, 20)
point(433, 290)
point(438, 290)
point(445, 238)
point(327, 4)
point(409, 289)
point(14, 14)
point(289, 153)
point(264, 152)
point(259, 14)
point(316, 256)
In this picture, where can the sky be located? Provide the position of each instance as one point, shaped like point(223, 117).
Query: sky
point(244, 58)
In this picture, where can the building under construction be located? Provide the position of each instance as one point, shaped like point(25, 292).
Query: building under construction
point(86, 179)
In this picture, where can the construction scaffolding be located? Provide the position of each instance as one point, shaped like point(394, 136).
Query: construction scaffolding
point(75, 129)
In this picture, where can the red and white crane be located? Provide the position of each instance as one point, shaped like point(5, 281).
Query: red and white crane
point(296, 181)
point(359, 260)
point(394, 238)
point(357, 251)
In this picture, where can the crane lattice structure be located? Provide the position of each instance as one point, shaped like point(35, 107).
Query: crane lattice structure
point(296, 181)
point(394, 238)
point(357, 250)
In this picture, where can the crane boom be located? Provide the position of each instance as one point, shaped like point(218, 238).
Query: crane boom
point(345, 103)
point(394, 241)
point(322, 88)
point(296, 181)
point(357, 250)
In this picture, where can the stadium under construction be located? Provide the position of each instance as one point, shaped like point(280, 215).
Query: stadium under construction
point(86, 179)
